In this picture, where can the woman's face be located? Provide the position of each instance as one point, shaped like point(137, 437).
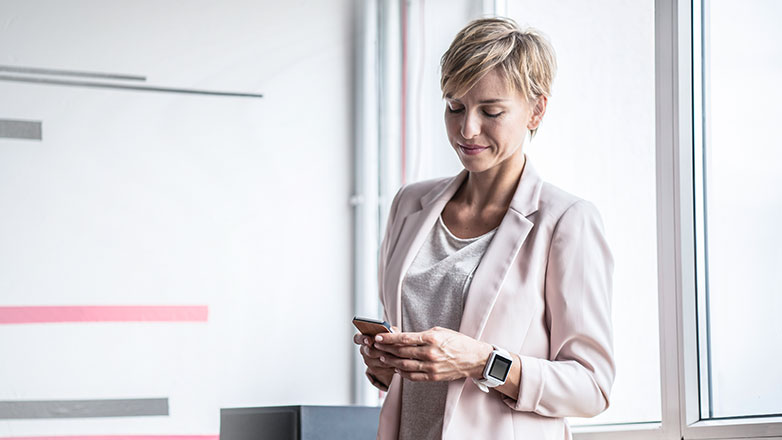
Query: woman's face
point(488, 125)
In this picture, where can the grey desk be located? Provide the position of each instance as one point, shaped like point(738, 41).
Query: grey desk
point(299, 423)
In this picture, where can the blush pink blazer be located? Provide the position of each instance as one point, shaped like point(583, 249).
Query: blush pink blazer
point(542, 290)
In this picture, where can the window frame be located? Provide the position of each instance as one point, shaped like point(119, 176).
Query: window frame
point(677, 101)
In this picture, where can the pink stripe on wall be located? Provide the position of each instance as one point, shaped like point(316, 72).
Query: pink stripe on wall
point(44, 314)
point(118, 437)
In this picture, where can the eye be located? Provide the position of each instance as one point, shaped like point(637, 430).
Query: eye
point(455, 109)
point(492, 115)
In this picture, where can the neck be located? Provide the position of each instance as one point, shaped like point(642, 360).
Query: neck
point(494, 187)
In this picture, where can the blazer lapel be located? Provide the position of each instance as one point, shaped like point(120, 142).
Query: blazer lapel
point(493, 268)
point(415, 227)
point(500, 254)
point(491, 272)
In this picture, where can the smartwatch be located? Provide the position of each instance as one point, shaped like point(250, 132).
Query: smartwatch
point(496, 370)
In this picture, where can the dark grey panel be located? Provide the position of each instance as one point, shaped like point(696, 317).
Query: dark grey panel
point(57, 409)
point(20, 129)
point(339, 422)
point(102, 85)
point(61, 72)
point(299, 423)
point(277, 423)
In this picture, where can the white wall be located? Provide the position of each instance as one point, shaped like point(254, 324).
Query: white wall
point(147, 198)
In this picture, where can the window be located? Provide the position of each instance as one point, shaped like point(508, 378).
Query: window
point(739, 207)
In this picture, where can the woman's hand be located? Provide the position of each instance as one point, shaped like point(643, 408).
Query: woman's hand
point(438, 354)
point(381, 372)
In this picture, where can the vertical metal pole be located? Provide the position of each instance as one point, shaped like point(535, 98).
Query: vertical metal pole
point(495, 8)
point(377, 156)
point(365, 172)
point(390, 112)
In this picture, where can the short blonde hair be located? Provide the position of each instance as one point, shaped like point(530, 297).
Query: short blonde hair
point(524, 57)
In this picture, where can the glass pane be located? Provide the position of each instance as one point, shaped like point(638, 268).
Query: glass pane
point(741, 274)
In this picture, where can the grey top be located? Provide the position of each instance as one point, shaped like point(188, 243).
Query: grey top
point(433, 294)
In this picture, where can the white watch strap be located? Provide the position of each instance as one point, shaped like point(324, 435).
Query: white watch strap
point(488, 381)
point(480, 386)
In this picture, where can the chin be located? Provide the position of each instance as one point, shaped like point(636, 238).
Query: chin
point(474, 167)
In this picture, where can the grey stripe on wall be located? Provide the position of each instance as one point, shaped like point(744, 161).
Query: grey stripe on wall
point(60, 409)
point(105, 85)
point(20, 129)
point(61, 72)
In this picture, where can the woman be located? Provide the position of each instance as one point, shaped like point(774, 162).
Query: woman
point(492, 267)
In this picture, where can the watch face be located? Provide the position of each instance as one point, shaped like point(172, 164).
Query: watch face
point(499, 368)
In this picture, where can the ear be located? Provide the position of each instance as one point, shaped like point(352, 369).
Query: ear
point(538, 110)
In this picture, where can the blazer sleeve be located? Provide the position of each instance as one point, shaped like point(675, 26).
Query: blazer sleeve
point(381, 265)
point(576, 379)
point(383, 256)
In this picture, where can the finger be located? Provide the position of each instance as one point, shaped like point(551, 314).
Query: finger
point(376, 355)
point(380, 371)
point(421, 352)
point(401, 338)
point(375, 363)
point(361, 339)
point(371, 352)
point(403, 364)
point(372, 360)
point(415, 376)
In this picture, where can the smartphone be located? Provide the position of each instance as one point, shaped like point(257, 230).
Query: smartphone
point(371, 327)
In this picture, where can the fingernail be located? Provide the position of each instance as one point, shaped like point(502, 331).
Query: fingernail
point(366, 341)
point(382, 358)
point(378, 338)
point(365, 350)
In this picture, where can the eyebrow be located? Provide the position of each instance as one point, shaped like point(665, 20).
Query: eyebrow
point(485, 101)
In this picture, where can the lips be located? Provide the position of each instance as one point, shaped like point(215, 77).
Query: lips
point(472, 149)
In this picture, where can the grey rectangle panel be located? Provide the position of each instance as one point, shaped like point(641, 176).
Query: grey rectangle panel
point(20, 129)
point(59, 409)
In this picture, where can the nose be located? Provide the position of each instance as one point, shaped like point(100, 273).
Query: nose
point(471, 126)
